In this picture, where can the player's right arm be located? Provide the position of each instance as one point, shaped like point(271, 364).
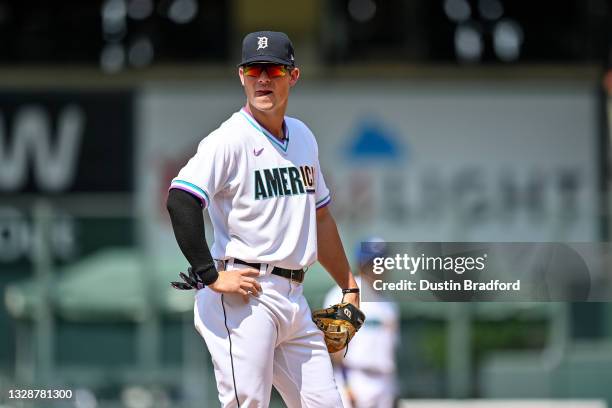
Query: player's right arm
point(188, 226)
point(205, 174)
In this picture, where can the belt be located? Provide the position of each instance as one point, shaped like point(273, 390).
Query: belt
point(296, 275)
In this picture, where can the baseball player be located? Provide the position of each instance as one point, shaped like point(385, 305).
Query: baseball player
point(259, 176)
point(366, 375)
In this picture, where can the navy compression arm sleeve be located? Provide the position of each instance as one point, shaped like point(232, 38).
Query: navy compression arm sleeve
point(188, 225)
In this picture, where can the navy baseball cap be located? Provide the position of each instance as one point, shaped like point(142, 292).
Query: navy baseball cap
point(267, 46)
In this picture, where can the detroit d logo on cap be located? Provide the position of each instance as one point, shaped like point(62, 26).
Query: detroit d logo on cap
point(262, 42)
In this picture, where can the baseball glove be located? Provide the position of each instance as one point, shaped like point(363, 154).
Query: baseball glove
point(339, 323)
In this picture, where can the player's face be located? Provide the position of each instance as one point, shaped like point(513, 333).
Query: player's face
point(267, 85)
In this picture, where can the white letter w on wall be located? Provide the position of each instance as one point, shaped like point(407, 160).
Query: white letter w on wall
point(54, 165)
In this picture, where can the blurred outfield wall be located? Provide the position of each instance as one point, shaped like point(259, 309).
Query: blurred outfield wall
point(409, 160)
point(452, 161)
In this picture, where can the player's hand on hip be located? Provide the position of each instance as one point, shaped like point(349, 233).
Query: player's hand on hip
point(240, 281)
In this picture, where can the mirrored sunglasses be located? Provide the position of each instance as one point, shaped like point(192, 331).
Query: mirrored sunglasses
point(273, 70)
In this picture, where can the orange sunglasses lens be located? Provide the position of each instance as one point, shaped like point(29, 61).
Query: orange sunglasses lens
point(273, 71)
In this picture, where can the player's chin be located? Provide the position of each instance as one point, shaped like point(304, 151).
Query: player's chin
point(264, 102)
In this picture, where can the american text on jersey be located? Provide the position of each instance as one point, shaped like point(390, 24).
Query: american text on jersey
point(284, 181)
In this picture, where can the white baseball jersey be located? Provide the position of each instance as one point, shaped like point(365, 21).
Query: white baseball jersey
point(261, 193)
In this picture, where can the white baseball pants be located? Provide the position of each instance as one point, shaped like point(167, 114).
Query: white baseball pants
point(269, 341)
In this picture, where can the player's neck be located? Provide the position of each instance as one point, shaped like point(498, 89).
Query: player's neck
point(271, 121)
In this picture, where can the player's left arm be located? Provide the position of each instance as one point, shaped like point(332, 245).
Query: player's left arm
point(332, 256)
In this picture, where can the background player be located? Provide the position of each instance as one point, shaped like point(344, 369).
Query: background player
point(259, 176)
point(366, 375)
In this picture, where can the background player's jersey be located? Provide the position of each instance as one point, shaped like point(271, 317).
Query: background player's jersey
point(261, 193)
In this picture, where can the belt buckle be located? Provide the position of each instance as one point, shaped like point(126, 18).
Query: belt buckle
point(294, 276)
point(220, 264)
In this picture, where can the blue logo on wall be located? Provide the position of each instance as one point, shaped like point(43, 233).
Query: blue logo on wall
point(373, 140)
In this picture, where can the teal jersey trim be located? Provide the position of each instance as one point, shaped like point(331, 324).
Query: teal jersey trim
point(282, 145)
point(193, 186)
point(322, 201)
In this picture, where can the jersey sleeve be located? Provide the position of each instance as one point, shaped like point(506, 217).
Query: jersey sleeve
point(322, 194)
point(207, 172)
